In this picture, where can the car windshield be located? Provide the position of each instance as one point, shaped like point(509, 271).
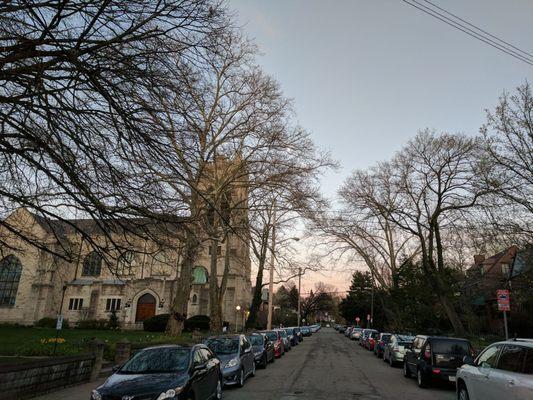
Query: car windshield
point(289, 331)
point(283, 333)
point(374, 335)
point(256, 340)
point(222, 346)
point(159, 360)
point(272, 336)
point(406, 339)
point(386, 338)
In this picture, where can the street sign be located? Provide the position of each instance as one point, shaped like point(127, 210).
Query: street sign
point(503, 300)
point(368, 317)
point(59, 322)
point(357, 319)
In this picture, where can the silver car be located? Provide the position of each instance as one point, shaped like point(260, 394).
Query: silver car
point(394, 351)
point(504, 370)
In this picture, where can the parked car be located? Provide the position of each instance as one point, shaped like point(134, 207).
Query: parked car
point(285, 338)
point(236, 356)
point(342, 329)
point(305, 331)
point(382, 341)
point(292, 336)
point(435, 357)
point(503, 370)
point(356, 333)
point(166, 372)
point(348, 331)
point(315, 328)
point(394, 351)
point(364, 336)
point(276, 339)
point(262, 348)
point(371, 341)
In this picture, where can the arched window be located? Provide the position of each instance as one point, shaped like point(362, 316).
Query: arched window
point(10, 271)
point(92, 264)
point(199, 275)
point(126, 263)
point(194, 299)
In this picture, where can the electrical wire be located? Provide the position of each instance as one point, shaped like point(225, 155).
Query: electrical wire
point(479, 36)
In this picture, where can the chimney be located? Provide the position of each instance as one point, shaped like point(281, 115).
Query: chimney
point(479, 258)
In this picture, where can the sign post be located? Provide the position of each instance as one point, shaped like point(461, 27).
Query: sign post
point(504, 305)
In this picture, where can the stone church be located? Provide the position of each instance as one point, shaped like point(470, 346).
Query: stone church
point(137, 284)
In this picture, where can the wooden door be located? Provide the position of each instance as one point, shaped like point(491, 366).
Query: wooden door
point(145, 307)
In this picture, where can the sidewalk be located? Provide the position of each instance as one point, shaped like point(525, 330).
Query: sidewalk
point(79, 392)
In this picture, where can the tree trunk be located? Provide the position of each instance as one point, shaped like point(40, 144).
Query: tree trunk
point(256, 299)
point(215, 311)
point(178, 310)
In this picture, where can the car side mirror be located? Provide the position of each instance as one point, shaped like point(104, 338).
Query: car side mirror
point(468, 360)
point(247, 350)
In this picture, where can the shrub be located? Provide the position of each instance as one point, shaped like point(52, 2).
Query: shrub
point(200, 322)
point(157, 323)
point(48, 322)
point(93, 324)
point(113, 321)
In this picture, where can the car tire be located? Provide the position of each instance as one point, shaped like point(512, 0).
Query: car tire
point(421, 379)
point(264, 363)
point(242, 379)
point(463, 393)
point(252, 374)
point(218, 390)
point(406, 371)
point(391, 361)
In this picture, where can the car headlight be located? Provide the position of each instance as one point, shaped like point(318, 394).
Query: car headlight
point(232, 363)
point(95, 395)
point(170, 393)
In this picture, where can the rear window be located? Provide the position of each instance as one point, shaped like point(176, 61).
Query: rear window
point(406, 339)
point(386, 338)
point(374, 335)
point(272, 336)
point(456, 347)
point(511, 358)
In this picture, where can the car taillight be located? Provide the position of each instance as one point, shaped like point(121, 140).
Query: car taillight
point(436, 371)
point(396, 348)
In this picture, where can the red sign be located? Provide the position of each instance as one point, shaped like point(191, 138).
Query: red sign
point(504, 303)
point(368, 317)
point(357, 319)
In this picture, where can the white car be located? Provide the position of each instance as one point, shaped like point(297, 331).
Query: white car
point(504, 370)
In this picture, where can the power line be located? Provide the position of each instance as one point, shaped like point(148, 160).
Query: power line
point(479, 36)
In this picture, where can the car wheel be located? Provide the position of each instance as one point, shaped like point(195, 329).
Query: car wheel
point(391, 361)
point(406, 371)
point(253, 369)
point(218, 393)
point(241, 379)
point(265, 361)
point(463, 393)
point(422, 382)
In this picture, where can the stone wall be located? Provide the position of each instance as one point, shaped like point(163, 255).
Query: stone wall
point(26, 380)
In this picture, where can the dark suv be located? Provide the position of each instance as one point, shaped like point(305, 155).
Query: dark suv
point(435, 358)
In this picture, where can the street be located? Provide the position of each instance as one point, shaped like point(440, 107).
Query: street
point(329, 366)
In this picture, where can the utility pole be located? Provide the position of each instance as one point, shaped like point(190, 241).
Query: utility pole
point(372, 302)
point(299, 297)
point(272, 260)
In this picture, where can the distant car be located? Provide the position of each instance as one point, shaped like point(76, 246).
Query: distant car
point(504, 370)
point(394, 351)
point(285, 338)
point(342, 329)
point(381, 342)
point(435, 358)
point(356, 333)
point(275, 337)
point(348, 331)
point(371, 340)
point(306, 331)
point(363, 339)
point(314, 328)
point(166, 372)
point(235, 354)
point(262, 348)
point(292, 336)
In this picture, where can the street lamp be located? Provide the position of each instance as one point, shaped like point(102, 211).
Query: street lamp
point(237, 309)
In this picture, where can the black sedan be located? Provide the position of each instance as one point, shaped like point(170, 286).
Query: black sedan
point(262, 348)
point(165, 372)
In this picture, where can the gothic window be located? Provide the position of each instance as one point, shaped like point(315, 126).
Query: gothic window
point(92, 264)
point(162, 264)
point(112, 304)
point(199, 274)
point(194, 299)
point(125, 263)
point(10, 271)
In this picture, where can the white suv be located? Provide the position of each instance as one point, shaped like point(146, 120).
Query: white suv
point(504, 370)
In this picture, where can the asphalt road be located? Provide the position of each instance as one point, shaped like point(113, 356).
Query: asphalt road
point(328, 366)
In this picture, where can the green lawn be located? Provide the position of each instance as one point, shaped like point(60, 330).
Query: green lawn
point(22, 341)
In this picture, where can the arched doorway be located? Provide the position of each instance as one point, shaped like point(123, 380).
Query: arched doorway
point(145, 307)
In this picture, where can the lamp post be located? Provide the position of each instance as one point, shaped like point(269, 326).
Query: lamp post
point(237, 309)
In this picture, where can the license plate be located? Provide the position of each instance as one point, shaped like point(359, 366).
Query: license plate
point(451, 378)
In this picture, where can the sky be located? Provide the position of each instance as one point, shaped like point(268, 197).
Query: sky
point(366, 75)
